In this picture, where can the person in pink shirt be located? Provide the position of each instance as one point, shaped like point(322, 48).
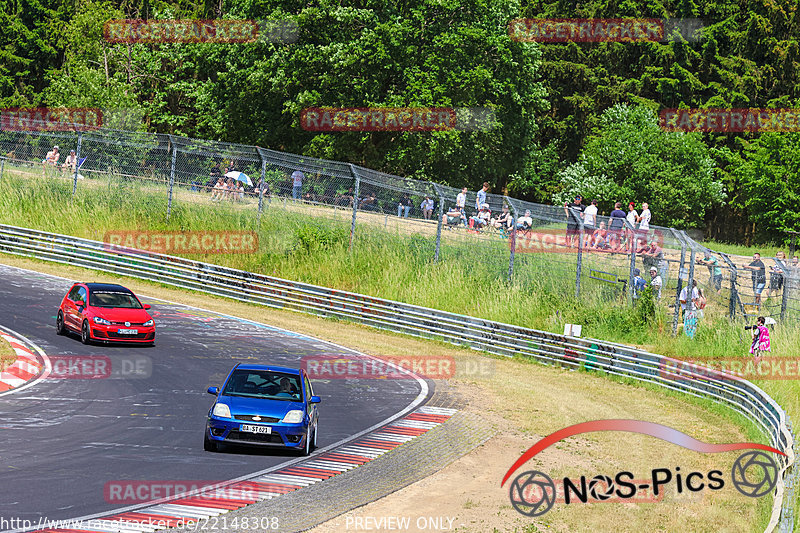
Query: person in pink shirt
point(760, 338)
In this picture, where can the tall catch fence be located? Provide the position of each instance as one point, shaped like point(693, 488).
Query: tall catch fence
point(536, 244)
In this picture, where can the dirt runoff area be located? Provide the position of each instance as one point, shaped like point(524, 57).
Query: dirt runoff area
point(524, 402)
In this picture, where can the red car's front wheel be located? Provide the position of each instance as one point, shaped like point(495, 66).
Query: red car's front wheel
point(85, 338)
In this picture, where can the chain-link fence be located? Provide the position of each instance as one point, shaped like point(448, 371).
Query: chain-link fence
point(552, 246)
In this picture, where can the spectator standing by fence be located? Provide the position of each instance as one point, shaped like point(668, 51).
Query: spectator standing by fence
point(776, 274)
point(590, 217)
point(758, 272)
point(297, 183)
point(644, 222)
point(714, 270)
point(574, 214)
point(461, 200)
point(481, 196)
point(655, 282)
point(427, 208)
point(615, 225)
point(404, 206)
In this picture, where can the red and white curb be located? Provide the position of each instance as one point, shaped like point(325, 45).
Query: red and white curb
point(177, 512)
point(26, 368)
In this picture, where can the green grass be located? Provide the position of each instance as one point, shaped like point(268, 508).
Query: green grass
point(766, 250)
point(470, 278)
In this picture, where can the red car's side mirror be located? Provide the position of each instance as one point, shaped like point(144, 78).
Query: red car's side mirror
point(80, 303)
point(146, 306)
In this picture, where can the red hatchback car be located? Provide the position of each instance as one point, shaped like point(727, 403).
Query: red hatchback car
point(105, 312)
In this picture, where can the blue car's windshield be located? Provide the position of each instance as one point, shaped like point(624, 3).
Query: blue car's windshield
point(264, 384)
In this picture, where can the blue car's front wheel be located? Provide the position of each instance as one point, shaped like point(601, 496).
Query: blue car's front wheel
point(209, 445)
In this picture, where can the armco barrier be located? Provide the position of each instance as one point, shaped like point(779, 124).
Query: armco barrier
point(492, 337)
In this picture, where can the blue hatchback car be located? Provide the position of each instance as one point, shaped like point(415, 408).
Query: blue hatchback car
point(261, 405)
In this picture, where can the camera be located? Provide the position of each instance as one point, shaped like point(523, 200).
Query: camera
point(750, 327)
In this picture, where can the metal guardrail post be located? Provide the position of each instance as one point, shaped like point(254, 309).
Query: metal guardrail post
point(787, 280)
point(512, 239)
point(579, 262)
point(2, 166)
point(261, 186)
point(689, 282)
point(77, 158)
point(677, 313)
point(171, 174)
point(355, 204)
point(734, 297)
point(438, 224)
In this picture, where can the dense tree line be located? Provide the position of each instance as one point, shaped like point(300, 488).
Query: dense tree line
point(571, 117)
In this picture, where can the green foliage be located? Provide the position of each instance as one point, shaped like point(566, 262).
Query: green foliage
point(314, 237)
point(646, 306)
point(632, 159)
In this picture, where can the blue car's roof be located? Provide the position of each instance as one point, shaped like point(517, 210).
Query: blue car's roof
point(271, 368)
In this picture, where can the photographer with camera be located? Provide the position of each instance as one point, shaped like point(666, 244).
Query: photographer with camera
point(760, 337)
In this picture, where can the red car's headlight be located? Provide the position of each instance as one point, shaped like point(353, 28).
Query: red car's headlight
point(149, 323)
point(98, 320)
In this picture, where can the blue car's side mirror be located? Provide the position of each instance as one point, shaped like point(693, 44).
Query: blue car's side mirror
point(315, 399)
point(213, 390)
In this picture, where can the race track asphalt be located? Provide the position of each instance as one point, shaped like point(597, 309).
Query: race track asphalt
point(65, 442)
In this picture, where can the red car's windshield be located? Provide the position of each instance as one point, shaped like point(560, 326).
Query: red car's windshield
point(114, 299)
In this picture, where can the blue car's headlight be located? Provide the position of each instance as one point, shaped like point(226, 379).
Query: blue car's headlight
point(221, 410)
point(149, 323)
point(293, 417)
point(98, 320)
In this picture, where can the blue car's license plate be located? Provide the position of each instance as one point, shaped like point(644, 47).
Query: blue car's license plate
point(255, 429)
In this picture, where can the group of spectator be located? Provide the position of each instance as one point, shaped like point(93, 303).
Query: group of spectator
point(52, 157)
point(758, 274)
point(617, 236)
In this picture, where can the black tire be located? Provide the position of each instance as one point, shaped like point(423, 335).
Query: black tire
point(314, 444)
point(60, 328)
point(209, 445)
point(306, 450)
point(85, 339)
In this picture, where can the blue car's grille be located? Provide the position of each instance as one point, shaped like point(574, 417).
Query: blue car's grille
point(272, 438)
point(249, 418)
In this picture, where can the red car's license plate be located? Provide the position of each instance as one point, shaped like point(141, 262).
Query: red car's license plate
point(128, 331)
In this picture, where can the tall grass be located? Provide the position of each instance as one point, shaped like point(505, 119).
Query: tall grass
point(470, 278)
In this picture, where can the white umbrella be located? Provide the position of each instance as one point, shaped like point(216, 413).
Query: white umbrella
point(239, 176)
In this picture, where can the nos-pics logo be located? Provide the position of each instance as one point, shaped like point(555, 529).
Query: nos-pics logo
point(533, 493)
